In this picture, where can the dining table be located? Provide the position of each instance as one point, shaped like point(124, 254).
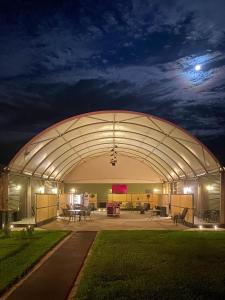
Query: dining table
point(76, 212)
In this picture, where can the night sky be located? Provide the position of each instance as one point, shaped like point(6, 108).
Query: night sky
point(63, 58)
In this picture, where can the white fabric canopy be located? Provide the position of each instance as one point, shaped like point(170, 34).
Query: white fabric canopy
point(99, 170)
point(171, 151)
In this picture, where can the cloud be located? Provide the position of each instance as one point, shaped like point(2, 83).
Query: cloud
point(120, 33)
point(137, 55)
point(205, 18)
point(160, 83)
point(15, 54)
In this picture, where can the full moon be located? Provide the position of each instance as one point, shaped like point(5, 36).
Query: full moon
point(197, 67)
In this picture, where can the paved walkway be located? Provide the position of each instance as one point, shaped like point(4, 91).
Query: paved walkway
point(55, 278)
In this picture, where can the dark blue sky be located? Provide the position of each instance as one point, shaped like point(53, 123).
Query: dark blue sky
point(62, 58)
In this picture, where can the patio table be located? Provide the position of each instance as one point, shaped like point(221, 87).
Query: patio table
point(74, 212)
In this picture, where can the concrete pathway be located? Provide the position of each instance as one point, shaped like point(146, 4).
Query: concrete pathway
point(126, 221)
point(55, 278)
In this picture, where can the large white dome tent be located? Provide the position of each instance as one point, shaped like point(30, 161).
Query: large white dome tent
point(117, 147)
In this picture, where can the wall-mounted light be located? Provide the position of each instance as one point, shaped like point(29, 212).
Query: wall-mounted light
point(54, 190)
point(18, 187)
point(73, 190)
point(156, 190)
point(187, 190)
point(41, 190)
point(215, 227)
point(209, 187)
point(200, 227)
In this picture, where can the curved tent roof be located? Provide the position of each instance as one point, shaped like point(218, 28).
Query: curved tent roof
point(171, 151)
point(99, 170)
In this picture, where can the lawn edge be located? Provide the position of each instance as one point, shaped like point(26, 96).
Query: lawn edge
point(7, 291)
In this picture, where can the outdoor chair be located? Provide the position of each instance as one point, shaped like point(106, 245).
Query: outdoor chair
point(138, 206)
point(146, 206)
point(88, 213)
point(159, 210)
point(81, 214)
point(214, 216)
point(180, 218)
point(68, 206)
point(65, 213)
point(163, 211)
point(142, 210)
point(129, 205)
point(206, 216)
point(91, 206)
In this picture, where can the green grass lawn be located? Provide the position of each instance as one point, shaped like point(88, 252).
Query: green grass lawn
point(155, 265)
point(19, 252)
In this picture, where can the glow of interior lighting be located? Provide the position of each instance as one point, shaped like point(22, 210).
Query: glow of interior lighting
point(201, 174)
point(18, 187)
point(41, 189)
point(73, 190)
point(187, 190)
point(11, 226)
point(215, 227)
point(77, 199)
point(27, 173)
point(155, 190)
point(54, 190)
point(209, 187)
point(200, 227)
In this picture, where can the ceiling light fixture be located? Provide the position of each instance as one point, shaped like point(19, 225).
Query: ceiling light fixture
point(113, 160)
